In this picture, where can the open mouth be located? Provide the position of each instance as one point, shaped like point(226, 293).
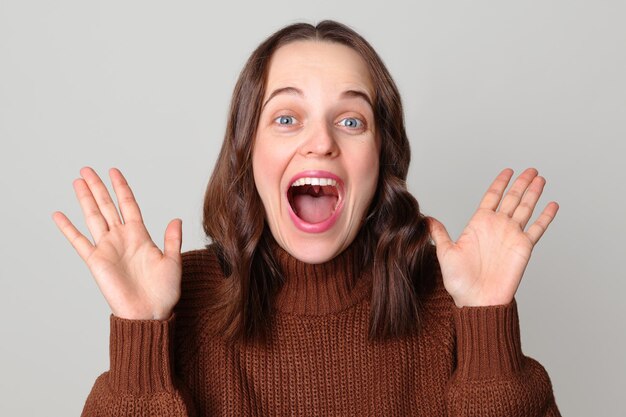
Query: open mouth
point(314, 200)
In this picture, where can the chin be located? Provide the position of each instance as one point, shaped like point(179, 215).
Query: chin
point(314, 249)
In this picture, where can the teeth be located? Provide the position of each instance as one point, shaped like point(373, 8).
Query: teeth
point(314, 181)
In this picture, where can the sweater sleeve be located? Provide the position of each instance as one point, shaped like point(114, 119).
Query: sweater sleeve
point(140, 381)
point(492, 376)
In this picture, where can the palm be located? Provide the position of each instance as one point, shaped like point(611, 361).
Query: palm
point(485, 265)
point(133, 273)
point(136, 278)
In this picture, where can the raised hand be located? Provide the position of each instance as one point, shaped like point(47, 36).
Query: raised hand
point(136, 278)
point(485, 265)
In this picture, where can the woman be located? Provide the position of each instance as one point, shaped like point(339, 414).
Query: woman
point(321, 293)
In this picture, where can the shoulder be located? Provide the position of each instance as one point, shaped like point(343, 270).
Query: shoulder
point(202, 277)
point(202, 271)
point(437, 306)
point(432, 293)
point(201, 262)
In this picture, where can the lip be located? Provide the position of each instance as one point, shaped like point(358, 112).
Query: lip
point(326, 224)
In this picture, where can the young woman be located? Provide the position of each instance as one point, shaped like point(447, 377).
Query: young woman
point(322, 293)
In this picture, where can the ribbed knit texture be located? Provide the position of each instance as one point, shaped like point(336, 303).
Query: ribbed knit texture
point(135, 371)
point(318, 360)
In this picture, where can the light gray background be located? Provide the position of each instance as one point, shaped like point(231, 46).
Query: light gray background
point(145, 86)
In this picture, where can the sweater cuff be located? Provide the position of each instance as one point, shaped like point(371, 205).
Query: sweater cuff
point(140, 355)
point(488, 341)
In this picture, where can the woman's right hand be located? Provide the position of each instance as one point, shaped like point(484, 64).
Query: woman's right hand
point(138, 280)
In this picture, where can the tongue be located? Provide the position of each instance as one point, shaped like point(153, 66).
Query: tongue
point(314, 209)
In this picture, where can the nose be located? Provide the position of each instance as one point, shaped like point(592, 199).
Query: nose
point(319, 141)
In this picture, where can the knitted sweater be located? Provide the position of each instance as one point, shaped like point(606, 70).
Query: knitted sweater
point(318, 360)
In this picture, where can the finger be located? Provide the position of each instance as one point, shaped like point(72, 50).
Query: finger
point(538, 228)
point(514, 195)
point(492, 197)
point(102, 196)
point(525, 209)
point(439, 234)
point(129, 208)
point(173, 239)
point(96, 223)
point(82, 245)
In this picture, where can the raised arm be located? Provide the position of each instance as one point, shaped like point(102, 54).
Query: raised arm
point(482, 271)
point(141, 284)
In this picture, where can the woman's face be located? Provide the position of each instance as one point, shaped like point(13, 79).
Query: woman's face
point(316, 150)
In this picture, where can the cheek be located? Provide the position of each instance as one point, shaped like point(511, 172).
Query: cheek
point(368, 172)
point(268, 166)
point(258, 162)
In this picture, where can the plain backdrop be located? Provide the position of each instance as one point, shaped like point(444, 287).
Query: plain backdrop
point(145, 86)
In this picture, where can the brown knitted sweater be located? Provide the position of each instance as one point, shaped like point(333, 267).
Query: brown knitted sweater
point(318, 360)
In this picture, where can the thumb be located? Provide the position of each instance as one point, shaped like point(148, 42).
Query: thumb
point(173, 239)
point(439, 234)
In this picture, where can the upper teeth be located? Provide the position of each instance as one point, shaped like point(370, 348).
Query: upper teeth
point(314, 181)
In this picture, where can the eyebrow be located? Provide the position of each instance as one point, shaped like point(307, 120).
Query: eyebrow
point(297, 91)
point(283, 90)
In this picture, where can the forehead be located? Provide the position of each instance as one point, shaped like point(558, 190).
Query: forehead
point(311, 62)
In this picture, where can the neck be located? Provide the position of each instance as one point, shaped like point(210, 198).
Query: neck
point(319, 289)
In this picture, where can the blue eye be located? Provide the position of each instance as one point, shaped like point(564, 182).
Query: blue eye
point(285, 120)
point(351, 122)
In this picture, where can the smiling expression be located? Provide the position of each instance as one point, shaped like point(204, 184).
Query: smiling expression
point(316, 152)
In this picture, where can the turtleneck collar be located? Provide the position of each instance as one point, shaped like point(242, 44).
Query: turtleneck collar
point(320, 289)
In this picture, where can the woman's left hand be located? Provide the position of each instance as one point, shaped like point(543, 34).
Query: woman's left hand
point(485, 265)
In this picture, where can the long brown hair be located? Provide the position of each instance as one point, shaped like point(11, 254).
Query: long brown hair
point(393, 240)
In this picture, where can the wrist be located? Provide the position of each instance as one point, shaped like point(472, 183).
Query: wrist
point(482, 301)
point(156, 315)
